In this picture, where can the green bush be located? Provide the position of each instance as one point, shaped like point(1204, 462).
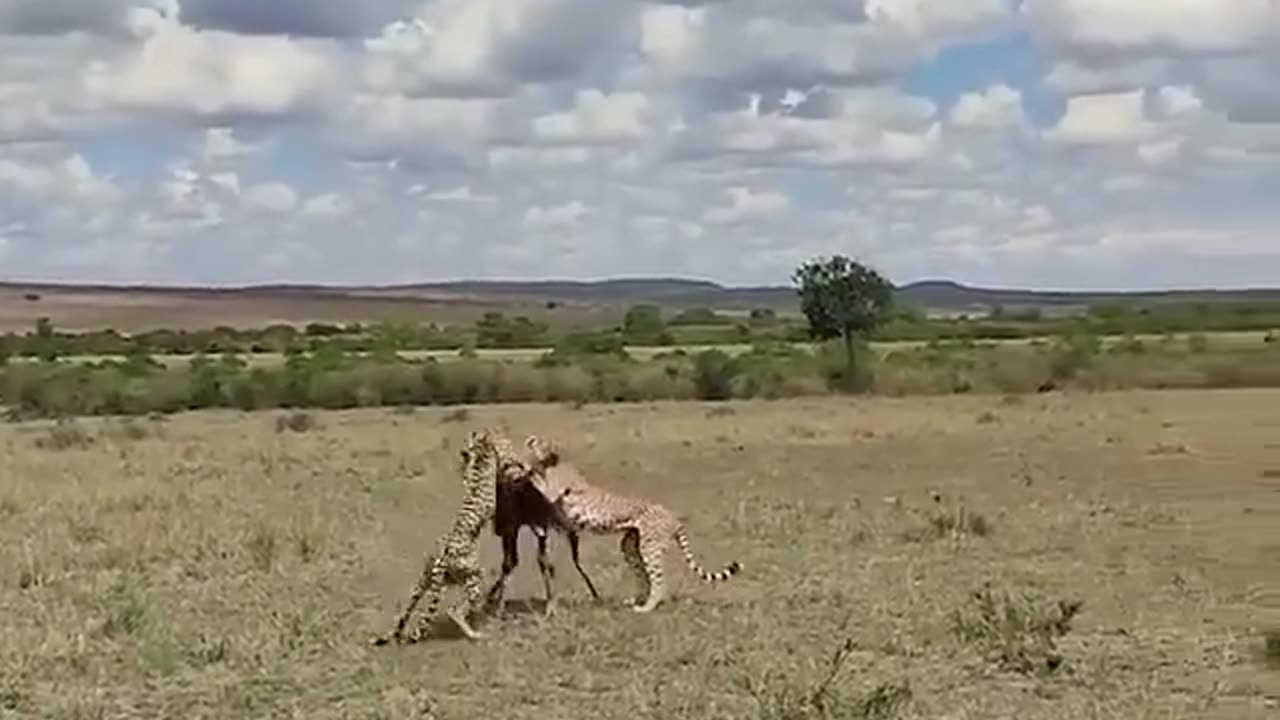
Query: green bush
point(328, 378)
point(713, 374)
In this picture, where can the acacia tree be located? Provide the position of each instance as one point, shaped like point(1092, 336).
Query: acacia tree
point(843, 298)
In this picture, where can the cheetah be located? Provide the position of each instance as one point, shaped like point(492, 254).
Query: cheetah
point(647, 527)
point(456, 558)
point(519, 503)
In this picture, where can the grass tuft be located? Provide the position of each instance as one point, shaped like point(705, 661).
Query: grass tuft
point(65, 434)
point(1017, 631)
point(298, 422)
point(825, 696)
point(456, 415)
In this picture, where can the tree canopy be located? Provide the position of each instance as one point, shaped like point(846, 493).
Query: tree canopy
point(843, 298)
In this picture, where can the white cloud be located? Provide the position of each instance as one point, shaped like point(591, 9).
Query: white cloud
point(569, 214)
point(866, 126)
point(326, 206)
point(220, 144)
point(771, 45)
point(1104, 118)
point(233, 140)
point(69, 179)
point(461, 193)
point(467, 48)
point(392, 126)
point(999, 106)
point(1072, 77)
point(1161, 152)
point(940, 19)
point(271, 197)
point(598, 118)
point(210, 74)
point(746, 204)
point(1183, 25)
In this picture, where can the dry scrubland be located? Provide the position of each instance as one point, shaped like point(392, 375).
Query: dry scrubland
point(233, 565)
point(77, 309)
point(1221, 340)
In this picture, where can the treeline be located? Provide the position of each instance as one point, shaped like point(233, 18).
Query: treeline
point(581, 372)
point(642, 325)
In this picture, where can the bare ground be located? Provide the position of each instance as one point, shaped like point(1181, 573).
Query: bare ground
point(212, 566)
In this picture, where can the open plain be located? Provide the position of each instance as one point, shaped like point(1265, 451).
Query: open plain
point(1110, 555)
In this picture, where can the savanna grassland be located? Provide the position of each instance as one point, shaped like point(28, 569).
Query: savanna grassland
point(1108, 555)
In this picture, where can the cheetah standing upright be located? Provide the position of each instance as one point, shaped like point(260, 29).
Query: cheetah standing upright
point(647, 527)
point(456, 559)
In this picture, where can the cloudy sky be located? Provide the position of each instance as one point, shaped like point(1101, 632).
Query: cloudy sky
point(1045, 143)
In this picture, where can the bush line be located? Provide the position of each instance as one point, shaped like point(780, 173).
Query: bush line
point(333, 380)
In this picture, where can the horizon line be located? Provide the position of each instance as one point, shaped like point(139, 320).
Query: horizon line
point(333, 286)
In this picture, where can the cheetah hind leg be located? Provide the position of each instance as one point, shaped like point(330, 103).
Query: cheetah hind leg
point(473, 595)
point(630, 546)
point(652, 546)
point(430, 583)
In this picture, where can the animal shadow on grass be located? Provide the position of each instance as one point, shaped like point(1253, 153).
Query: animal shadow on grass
point(442, 627)
point(512, 609)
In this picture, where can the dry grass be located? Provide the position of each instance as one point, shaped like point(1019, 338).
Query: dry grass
point(211, 567)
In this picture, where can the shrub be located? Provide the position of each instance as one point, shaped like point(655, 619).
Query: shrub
point(713, 373)
point(783, 695)
point(1015, 630)
point(1072, 353)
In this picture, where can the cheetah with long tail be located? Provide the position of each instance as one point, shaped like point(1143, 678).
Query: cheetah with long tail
point(647, 527)
point(485, 458)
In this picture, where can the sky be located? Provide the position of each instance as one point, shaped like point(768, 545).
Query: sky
point(1070, 144)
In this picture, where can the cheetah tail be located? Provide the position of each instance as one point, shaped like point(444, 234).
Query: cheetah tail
point(682, 538)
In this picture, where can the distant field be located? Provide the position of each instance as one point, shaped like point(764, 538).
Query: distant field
point(211, 566)
point(1220, 340)
point(77, 310)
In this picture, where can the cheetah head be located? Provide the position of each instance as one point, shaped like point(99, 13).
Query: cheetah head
point(479, 443)
point(545, 453)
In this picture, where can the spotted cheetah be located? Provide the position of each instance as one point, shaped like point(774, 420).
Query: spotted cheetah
point(647, 527)
point(456, 558)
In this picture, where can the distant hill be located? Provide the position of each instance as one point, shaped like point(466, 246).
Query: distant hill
point(936, 296)
point(947, 295)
